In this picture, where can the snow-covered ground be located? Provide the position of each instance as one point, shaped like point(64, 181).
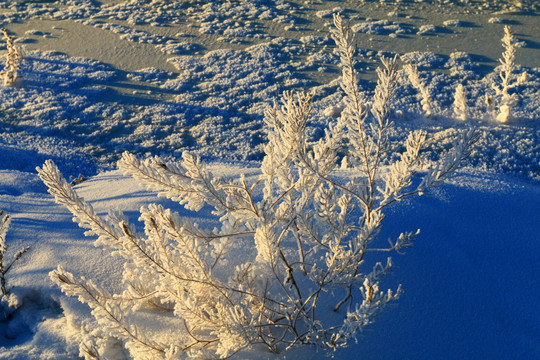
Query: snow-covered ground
point(161, 77)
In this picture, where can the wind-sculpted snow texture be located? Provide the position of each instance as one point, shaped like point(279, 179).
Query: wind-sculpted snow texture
point(211, 101)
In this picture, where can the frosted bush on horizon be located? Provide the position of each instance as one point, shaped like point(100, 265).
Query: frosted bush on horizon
point(286, 245)
point(461, 109)
point(508, 80)
point(13, 59)
point(414, 77)
point(498, 106)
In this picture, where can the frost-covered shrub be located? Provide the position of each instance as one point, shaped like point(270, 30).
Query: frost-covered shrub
point(508, 78)
point(13, 59)
point(414, 78)
point(293, 257)
point(8, 302)
point(460, 103)
point(5, 220)
point(5, 266)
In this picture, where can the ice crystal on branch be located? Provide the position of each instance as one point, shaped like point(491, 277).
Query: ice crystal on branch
point(286, 244)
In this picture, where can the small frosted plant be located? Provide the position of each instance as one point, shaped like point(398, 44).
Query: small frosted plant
point(5, 220)
point(287, 246)
point(414, 78)
point(460, 103)
point(508, 78)
point(13, 60)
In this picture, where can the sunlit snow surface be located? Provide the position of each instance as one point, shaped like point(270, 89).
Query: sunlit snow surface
point(161, 77)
